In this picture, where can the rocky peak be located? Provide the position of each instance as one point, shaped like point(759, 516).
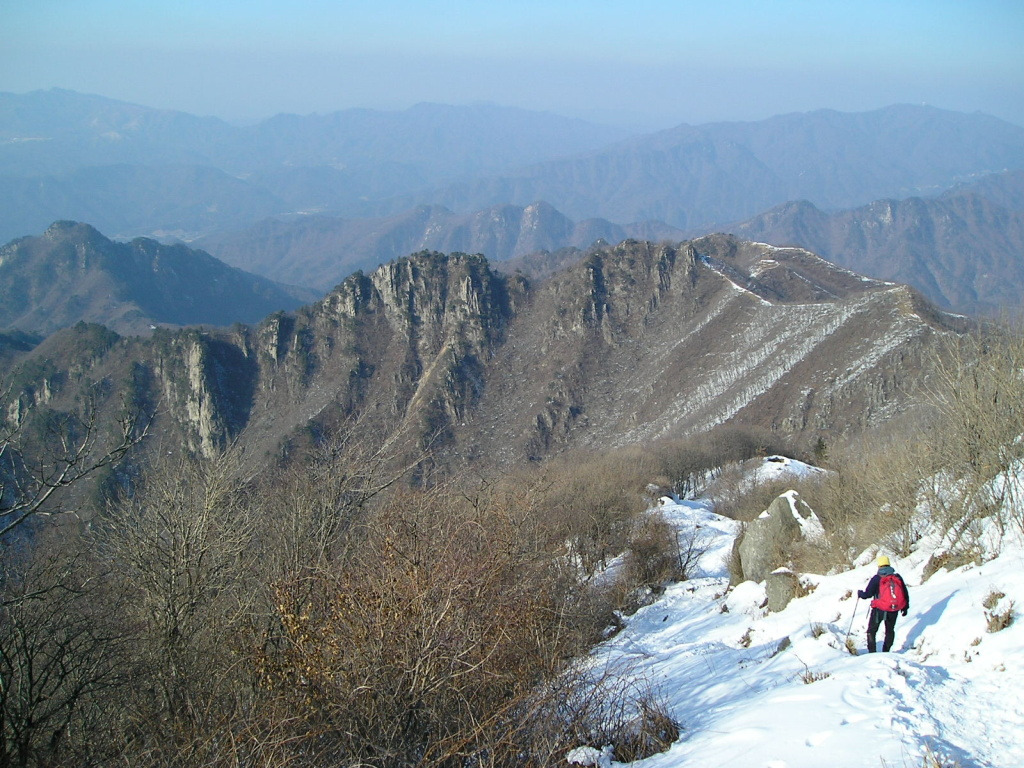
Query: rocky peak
point(74, 231)
point(433, 299)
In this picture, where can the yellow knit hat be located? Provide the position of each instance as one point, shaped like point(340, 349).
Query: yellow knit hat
point(883, 560)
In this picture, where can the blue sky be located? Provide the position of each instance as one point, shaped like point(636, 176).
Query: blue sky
point(647, 64)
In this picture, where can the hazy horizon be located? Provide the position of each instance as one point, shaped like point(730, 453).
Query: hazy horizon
point(645, 66)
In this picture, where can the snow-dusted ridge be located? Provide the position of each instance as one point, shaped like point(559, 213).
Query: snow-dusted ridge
point(781, 690)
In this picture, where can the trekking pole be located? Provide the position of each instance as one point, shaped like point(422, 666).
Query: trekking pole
point(855, 606)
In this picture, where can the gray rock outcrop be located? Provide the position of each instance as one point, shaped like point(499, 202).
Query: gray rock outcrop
point(765, 542)
point(780, 587)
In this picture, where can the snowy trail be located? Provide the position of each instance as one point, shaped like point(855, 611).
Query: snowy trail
point(976, 719)
point(759, 690)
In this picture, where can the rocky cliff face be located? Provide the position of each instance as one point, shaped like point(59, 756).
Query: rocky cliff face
point(645, 341)
point(406, 346)
point(633, 343)
point(208, 384)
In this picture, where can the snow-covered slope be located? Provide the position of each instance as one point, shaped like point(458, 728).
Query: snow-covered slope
point(781, 690)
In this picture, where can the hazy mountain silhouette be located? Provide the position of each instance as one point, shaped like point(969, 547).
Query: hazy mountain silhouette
point(1004, 189)
point(72, 273)
point(319, 251)
point(127, 200)
point(58, 131)
point(54, 145)
point(696, 176)
point(962, 250)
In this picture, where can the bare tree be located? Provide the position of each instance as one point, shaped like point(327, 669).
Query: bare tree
point(420, 644)
point(595, 499)
point(315, 502)
point(184, 546)
point(69, 450)
point(61, 652)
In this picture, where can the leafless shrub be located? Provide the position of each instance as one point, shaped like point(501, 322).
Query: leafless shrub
point(874, 493)
point(809, 675)
point(948, 466)
point(657, 554)
point(980, 396)
point(46, 454)
point(932, 760)
point(328, 615)
point(595, 499)
point(184, 549)
point(315, 503)
point(961, 554)
point(952, 462)
point(992, 599)
point(997, 620)
point(415, 647)
point(617, 709)
point(735, 497)
point(653, 556)
point(689, 466)
point(691, 544)
point(640, 728)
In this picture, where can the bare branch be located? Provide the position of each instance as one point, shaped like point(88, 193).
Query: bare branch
point(30, 489)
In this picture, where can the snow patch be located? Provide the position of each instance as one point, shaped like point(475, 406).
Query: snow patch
point(602, 758)
point(751, 688)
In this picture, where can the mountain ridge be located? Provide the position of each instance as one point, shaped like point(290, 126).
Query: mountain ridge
point(961, 249)
point(59, 131)
point(634, 343)
point(319, 250)
point(689, 176)
point(72, 273)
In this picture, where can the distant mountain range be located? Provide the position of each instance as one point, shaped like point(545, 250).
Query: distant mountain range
point(963, 250)
point(60, 131)
point(57, 146)
point(320, 251)
point(125, 201)
point(904, 193)
point(137, 171)
point(72, 273)
point(700, 176)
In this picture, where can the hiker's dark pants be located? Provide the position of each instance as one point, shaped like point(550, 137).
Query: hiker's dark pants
point(874, 621)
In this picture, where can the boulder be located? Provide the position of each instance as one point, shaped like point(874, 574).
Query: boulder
point(780, 586)
point(764, 543)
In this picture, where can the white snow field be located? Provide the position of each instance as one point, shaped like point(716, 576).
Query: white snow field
point(781, 690)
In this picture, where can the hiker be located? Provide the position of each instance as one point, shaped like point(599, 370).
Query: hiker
point(889, 596)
